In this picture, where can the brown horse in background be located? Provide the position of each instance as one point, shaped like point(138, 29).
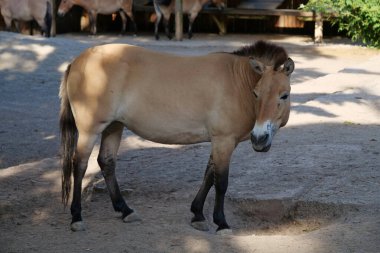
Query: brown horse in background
point(224, 98)
point(191, 7)
point(106, 7)
point(27, 10)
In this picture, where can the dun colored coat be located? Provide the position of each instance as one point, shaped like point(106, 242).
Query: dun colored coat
point(28, 10)
point(191, 7)
point(106, 7)
point(224, 98)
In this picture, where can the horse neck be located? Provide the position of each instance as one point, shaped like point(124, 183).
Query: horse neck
point(245, 80)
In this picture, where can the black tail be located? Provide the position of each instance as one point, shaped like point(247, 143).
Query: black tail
point(69, 136)
point(48, 18)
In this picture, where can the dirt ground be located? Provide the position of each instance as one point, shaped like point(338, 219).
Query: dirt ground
point(317, 190)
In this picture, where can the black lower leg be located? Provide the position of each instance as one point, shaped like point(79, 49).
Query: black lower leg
point(190, 32)
point(199, 200)
point(107, 166)
point(76, 207)
point(167, 30)
point(221, 184)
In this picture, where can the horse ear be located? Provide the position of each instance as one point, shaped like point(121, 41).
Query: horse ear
point(257, 66)
point(288, 66)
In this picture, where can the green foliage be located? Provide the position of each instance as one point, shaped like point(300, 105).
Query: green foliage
point(322, 6)
point(360, 19)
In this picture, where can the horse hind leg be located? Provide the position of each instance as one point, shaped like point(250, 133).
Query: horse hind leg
point(109, 146)
point(85, 144)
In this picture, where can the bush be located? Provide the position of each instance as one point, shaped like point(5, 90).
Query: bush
point(360, 19)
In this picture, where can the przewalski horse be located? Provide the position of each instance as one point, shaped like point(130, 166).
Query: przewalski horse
point(27, 10)
point(106, 7)
point(226, 98)
point(191, 7)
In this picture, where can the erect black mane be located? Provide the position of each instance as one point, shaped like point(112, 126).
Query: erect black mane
point(270, 54)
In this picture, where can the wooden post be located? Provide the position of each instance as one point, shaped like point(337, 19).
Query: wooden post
point(178, 20)
point(318, 29)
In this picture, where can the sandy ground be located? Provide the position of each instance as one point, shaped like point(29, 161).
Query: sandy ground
point(317, 190)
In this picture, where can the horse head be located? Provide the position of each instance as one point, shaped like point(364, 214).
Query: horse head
point(272, 102)
point(64, 7)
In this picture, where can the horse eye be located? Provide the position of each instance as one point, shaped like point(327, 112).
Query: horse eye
point(284, 97)
point(255, 93)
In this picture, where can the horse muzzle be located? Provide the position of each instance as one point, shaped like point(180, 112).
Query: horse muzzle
point(261, 143)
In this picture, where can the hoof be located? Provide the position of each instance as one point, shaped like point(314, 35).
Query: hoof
point(77, 226)
point(131, 218)
point(200, 225)
point(224, 232)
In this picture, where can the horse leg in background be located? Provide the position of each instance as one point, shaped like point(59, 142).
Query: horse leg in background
point(199, 221)
point(192, 17)
point(132, 18)
point(31, 27)
point(222, 149)
point(166, 25)
point(158, 20)
point(45, 24)
point(86, 142)
point(7, 20)
point(123, 21)
point(48, 19)
point(109, 146)
point(93, 17)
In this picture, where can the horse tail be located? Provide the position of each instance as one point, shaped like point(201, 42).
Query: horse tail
point(48, 18)
point(69, 136)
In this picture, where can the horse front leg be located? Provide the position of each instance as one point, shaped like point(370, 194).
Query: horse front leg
point(199, 221)
point(222, 149)
point(109, 146)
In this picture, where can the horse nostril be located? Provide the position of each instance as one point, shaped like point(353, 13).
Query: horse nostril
point(262, 139)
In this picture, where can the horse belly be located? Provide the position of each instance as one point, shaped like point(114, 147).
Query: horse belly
point(21, 12)
point(107, 9)
point(160, 128)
